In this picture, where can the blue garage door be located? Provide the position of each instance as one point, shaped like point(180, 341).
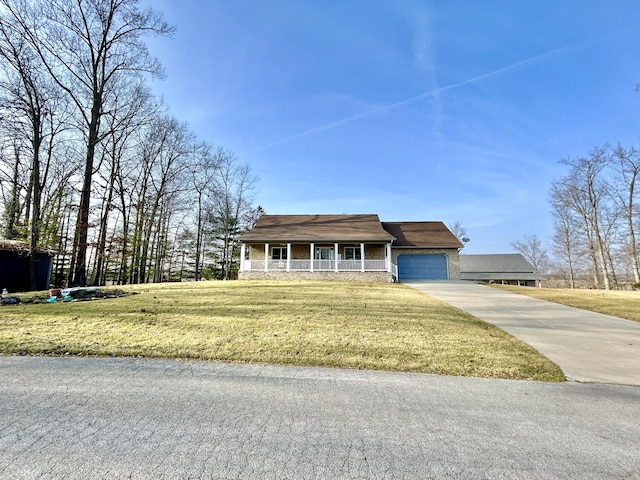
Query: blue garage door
point(422, 267)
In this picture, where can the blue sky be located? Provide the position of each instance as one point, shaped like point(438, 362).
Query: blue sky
point(411, 109)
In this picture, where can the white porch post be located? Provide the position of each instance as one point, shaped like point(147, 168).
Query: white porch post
point(335, 256)
point(362, 257)
point(288, 257)
point(266, 257)
point(388, 257)
point(311, 256)
point(242, 253)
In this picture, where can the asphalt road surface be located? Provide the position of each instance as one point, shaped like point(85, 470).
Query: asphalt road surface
point(83, 418)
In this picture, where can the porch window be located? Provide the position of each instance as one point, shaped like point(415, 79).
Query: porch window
point(279, 253)
point(324, 253)
point(352, 253)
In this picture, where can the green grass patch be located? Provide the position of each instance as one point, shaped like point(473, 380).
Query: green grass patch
point(328, 324)
point(619, 303)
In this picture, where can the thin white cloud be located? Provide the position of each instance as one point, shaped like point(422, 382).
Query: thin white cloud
point(424, 55)
point(432, 93)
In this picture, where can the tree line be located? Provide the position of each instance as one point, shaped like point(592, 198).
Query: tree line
point(93, 166)
point(596, 218)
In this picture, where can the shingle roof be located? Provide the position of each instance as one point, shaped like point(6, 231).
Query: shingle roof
point(495, 263)
point(421, 234)
point(317, 228)
point(507, 266)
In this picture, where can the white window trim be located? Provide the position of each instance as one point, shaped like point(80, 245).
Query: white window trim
point(282, 250)
point(354, 256)
point(318, 254)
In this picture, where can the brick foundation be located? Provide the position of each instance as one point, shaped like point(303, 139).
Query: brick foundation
point(346, 276)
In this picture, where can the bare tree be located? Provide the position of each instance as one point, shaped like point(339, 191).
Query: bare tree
point(585, 190)
point(91, 164)
point(12, 182)
point(32, 101)
point(135, 107)
point(628, 163)
point(164, 151)
point(460, 233)
point(565, 238)
point(203, 172)
point(235, 188)
point(89, 47)
point(531, 248)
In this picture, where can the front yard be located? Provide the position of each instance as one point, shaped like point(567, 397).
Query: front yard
point(326, 324)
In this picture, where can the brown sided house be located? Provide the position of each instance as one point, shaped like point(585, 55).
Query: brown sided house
point(348, 247)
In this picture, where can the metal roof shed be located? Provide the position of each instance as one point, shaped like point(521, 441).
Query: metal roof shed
point(510, 268)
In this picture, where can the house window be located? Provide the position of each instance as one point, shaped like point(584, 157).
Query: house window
point(324, 253)
point(279, 253)
point(352, 253)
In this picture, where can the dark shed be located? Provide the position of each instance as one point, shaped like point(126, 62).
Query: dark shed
point(14, 267)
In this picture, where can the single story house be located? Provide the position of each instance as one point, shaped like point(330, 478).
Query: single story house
point(506, 269)
point(349, 247)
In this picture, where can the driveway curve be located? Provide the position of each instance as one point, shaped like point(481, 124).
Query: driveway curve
point(587, 346)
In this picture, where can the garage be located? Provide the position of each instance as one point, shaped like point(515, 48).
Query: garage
point(423, 267)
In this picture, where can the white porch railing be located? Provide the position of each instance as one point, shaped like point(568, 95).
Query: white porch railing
point(318, 265)
point(369, 265)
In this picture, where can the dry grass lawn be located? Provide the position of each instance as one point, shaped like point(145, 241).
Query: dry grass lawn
point(619, 303)
point(328, 324)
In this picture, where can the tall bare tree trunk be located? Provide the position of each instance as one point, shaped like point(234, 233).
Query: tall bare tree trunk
point(79, 258)
point(37, 190)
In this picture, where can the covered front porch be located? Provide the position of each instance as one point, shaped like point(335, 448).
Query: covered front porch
point(315, 257)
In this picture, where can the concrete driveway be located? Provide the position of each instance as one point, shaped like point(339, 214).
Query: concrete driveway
point(587, 346)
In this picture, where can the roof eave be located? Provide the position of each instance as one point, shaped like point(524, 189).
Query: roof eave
point(310, 240)
point(426, 246)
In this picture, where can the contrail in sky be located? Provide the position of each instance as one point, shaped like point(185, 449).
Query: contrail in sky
point(383, 108)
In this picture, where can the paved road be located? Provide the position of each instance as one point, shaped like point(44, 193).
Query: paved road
point(81, 418)
point(587, 346)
